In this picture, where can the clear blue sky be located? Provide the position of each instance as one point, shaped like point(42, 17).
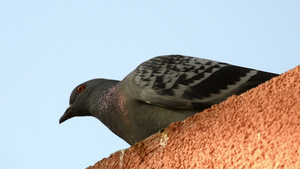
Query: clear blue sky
point(49, 47)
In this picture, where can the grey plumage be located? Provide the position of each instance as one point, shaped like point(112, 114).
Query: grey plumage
point(158, 92)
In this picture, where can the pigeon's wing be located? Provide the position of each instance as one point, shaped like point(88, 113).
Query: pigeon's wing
point(176, 81)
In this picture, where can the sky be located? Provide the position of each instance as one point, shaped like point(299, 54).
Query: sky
point(49, 47)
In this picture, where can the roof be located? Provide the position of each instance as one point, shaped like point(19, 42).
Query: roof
point(259, 128)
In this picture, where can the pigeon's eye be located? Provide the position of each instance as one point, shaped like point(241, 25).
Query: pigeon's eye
point(80, 89)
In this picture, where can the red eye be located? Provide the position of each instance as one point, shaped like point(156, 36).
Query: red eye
point(80, 89)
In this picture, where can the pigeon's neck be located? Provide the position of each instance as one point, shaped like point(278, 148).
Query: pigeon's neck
point(109, 108)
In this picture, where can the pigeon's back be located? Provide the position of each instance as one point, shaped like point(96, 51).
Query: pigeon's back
point(183, 82)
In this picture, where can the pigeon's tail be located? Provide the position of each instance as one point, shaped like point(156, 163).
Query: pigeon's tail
point(258, 79)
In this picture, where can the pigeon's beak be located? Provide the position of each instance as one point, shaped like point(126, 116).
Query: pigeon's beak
point(66, 115)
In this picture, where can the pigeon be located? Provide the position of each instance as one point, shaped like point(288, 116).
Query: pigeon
point(160, 91)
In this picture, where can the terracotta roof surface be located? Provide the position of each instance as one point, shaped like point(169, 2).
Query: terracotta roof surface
point(257, 129)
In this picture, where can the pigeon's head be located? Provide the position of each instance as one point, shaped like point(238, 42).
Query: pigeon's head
point(79, 99)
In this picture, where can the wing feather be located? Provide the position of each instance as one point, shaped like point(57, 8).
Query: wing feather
point(176, 81)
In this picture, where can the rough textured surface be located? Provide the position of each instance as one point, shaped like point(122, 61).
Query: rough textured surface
point(258, 129)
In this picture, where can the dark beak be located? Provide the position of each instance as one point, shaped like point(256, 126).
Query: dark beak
point(67, 115)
